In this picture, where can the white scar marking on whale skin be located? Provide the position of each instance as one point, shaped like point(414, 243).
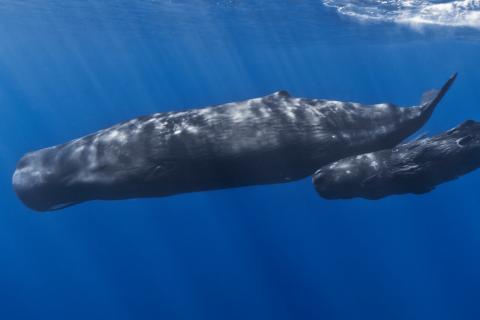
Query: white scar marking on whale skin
point(159, 125)
point(290, 112)
point(177, 114)
point(373, 160)
point(192, 129)
point(33, 174)
point(114, 136)
point(30, 176)
point(153, 121)
point(206, 113)
point(91, 157)
point(77, 151)
point(316, 113)
point(382, 130)
point(265, 112)
point(381, 106)
point(237, 115)
point(242, 111)
point(340, 165)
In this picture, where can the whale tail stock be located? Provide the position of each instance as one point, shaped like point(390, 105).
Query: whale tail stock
point(431, 98)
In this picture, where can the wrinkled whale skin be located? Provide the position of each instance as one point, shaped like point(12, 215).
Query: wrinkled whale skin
point(272, 139)
point(415, 167)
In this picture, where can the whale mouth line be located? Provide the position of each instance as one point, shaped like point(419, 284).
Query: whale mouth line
point(453, 13)
point(61, 206)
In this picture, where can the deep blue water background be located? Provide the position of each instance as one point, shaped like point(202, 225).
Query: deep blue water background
point(68, 68)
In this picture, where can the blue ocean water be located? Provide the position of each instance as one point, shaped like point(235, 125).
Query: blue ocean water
point(68, 68)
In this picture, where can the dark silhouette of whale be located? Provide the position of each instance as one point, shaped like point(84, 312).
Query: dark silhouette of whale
point(272, 139)
point(413, 167)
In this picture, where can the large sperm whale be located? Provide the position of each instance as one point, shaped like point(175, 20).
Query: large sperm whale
point(272, 139)
point(414, 167)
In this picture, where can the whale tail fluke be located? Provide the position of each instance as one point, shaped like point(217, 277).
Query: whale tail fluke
point(431, 98)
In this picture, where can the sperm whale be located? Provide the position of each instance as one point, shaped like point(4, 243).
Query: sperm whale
point(272, 139)
point(415, 167)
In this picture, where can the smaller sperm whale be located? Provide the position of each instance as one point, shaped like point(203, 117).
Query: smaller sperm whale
point(414, 167)
point(272, 139)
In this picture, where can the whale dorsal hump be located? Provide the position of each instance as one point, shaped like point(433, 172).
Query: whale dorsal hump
point(282, 94)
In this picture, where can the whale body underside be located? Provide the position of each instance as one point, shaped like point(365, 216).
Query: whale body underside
point(273, 139)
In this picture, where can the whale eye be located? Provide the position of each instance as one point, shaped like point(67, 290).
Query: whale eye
point(465, 140)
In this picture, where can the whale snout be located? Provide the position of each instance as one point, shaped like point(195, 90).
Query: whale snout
point(324, 183)
point(29, 182)
point(36, 185)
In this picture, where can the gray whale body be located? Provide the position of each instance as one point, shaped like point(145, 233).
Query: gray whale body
point(415, 167)
point(272, 139)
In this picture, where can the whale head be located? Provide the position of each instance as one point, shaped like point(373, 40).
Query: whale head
point(60, 176)
point(39, 184)
point(463, 142)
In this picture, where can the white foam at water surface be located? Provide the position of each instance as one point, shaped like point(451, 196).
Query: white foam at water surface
point(458, 13)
